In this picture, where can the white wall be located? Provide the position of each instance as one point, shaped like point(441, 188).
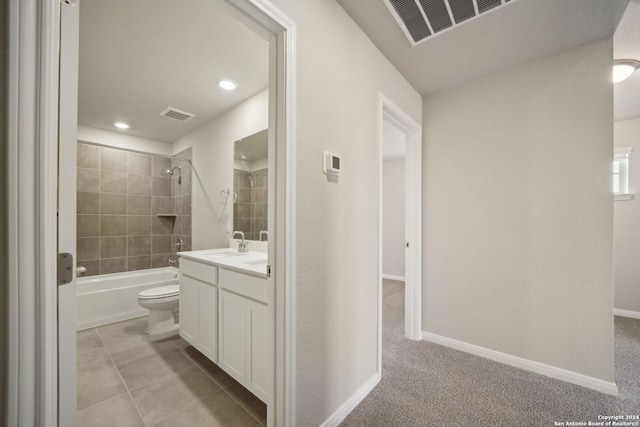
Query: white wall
point(627, 222)
point(393, 214)
point(122, 140)
point(340, 74)
point(213, 162)
point(518, 212)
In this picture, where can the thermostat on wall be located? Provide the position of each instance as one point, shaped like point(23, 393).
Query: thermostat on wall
point(331, 164)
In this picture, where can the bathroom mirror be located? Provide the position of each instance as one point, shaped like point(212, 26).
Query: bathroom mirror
point(250, 180)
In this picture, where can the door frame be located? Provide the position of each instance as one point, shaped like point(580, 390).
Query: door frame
point(391, 113)
point(32, 176)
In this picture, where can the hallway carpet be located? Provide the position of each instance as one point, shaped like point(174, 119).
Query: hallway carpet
point(425, 384)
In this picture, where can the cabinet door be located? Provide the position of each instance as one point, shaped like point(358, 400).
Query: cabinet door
point(189, 309)
point(208, 321)
point(232, 333)
point(258, 378)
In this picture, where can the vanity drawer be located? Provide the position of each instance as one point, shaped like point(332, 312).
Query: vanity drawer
point(198, 270)
point(244, 284)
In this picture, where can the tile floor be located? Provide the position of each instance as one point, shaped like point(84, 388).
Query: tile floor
point(124, 380)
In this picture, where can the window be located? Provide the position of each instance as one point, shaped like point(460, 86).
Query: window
point(621, 174)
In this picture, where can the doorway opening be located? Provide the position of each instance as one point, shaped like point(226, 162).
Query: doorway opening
point(47, 116)
point(400, 213)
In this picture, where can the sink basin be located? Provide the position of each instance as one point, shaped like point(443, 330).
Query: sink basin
point(225, 254)
point(255, 262)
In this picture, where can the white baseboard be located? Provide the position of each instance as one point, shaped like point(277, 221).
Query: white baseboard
point(392, 277)
point(626, 313)
point(345, 409)
point(528, 365)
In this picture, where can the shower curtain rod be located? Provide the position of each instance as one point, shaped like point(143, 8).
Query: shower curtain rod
point(136, 151)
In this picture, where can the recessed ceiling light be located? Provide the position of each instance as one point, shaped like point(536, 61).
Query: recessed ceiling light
point(623, 69)
point(121, 125)
point(228, 84)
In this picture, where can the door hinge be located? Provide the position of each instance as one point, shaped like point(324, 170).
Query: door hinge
point(65, 268)
point(268, 270)
point(71, 3)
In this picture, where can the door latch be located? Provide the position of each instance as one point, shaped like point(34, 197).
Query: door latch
point(65, 268)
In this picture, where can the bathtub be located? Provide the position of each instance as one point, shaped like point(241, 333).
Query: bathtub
point(110, 298)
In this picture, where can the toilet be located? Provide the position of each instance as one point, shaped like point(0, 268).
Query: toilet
point(161, 303)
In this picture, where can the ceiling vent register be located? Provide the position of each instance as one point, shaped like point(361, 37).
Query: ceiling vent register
point(422, 19)
point(175, 114)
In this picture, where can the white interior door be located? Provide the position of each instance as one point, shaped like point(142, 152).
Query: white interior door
point(67, 136)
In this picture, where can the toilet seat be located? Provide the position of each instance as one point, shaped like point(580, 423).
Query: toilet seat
point(160, 292)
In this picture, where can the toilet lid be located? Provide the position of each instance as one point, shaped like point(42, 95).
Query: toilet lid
point(160, 292)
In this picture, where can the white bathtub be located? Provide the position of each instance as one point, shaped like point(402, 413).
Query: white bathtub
point(110, 298)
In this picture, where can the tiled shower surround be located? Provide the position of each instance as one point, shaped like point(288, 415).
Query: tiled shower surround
point(130, 211)
point(250, 209)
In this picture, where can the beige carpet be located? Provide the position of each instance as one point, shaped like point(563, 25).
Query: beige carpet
point(424, 384)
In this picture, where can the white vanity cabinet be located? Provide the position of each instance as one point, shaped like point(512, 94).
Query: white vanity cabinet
point(243, 330)
point(223, 313)
point(199, 306)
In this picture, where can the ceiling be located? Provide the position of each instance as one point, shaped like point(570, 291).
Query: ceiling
point(518, 33)
point(139, 57)
point(626, 45)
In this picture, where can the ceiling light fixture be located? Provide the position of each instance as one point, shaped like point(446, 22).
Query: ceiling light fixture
point(624, 68)
point(228, 84)
point(121, 125)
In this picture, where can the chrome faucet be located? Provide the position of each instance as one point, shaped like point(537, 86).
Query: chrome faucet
point(242, 245)
point(266, 235)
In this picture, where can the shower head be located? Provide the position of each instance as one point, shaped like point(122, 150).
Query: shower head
point(170, 172)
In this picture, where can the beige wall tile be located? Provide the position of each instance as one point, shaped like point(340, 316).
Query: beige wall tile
point(139, 263)
point(111, 203)
point(161, 187)
point(113, 225)
point(161, 205)
point(139, 185)
point(88, 225)
point(139, 225)
point(186, 204)
point(139, 205)
point(178, 207)
point(161, 245)
point(160, 166)
point(138, 164)
point(88, 203)
point(160, 260)
point(113, 182)
point(113, 265)
point(113, 247)
point(139, 245)
point(88, 179)
point(112, 159)
point(88, 248)
point(162, 225)
point(88, 156)
point(92, 266)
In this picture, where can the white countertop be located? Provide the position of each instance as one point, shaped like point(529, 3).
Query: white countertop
point(252, 262)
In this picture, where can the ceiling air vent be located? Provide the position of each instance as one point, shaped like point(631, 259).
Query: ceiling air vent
point(175, 114)
point(422, 19)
